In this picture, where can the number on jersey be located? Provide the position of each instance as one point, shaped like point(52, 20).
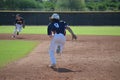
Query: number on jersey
point(56, 25)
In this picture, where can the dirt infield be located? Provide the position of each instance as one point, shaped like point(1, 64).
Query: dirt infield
point(88, 58)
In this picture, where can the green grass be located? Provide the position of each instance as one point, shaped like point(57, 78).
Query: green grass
point(11, 50)
point(82, 30)
point(108, 30)
point(27, 30)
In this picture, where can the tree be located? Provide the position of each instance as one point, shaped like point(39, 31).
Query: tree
point(61, 5)
point(101, 7)
point(19, 4)
point(70, 5)
point(76, 5)
point(27, 4)
point(48, 6)
point(2, 3)
point(82, 5)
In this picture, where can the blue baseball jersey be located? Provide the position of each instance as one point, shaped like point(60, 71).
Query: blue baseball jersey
point(57, 27)
point(19, 21)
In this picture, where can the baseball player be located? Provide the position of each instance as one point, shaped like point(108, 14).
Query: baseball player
point(57, 31)
point(19, 24)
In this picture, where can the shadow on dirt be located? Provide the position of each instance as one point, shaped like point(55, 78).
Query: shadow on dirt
point(64, 70)
point(20, 38)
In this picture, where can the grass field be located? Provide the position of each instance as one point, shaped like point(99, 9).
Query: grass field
point(82, 30)
point(11, 50)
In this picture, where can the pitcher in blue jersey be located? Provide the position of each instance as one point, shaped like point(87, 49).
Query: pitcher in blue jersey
point(57, 31)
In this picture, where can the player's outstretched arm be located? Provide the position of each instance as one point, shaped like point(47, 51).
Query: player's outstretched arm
point(72, 33)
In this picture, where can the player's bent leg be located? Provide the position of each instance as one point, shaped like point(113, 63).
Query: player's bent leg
point(61, 48)
point(60, 41)
point(15, 32)
point(58, 50)
point(61, 44)
point(19, 28)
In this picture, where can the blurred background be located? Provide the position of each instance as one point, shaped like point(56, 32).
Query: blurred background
point(75, 12)
point(60, 5)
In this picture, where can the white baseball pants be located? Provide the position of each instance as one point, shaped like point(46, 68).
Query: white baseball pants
point(58, 40)
point(18, 28)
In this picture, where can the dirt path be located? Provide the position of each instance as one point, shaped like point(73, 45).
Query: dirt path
point(88, 58)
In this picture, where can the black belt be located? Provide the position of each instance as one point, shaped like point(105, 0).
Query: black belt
point(60, 33)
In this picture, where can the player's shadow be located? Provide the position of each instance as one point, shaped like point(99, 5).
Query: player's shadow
point(64, 70)
point(20, 38)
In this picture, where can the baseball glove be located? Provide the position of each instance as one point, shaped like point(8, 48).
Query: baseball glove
point(23, 25)
point(74, 37)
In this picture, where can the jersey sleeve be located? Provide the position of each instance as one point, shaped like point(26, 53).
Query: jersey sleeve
point(65, 24)
point(23, 20)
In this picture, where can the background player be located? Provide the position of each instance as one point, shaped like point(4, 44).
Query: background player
point(19, 24)
point(56, 31)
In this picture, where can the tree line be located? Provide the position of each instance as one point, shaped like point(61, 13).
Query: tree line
point(61, 5)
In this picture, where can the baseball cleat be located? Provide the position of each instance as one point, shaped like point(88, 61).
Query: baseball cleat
point(58, 50)
point(52, 66)
point(13, 36)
